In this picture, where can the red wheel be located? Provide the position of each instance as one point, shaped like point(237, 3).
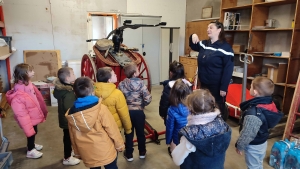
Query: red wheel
point(88, 67)
point(144, 73)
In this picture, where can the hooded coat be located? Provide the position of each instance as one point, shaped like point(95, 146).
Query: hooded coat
point(136, 93)
point(164, 102)
point(94, 133)
point(206, 139)
point(28, 109)
point(259, 115)
point(176, 119)
point(65, 98)
point(116, 103)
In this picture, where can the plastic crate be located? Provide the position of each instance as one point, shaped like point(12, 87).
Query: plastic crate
point(4, 145)
point(5, 160)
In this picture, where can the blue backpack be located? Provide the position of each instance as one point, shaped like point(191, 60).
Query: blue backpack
point(278, 153)
point(292, 159)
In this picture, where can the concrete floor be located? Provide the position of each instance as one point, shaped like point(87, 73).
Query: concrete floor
point(50, 135)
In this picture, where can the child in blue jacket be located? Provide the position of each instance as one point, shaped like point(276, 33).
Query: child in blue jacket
point(177, 112)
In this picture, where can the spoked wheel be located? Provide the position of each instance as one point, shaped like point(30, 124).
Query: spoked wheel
point(88, 67)
point(144, 73)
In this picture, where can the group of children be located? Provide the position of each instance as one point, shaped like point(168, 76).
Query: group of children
point(197, 134)
point(92, 116)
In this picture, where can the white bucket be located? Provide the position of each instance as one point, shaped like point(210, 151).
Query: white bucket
point(76, 66)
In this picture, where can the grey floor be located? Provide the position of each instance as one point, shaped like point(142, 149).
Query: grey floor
point(50, 135)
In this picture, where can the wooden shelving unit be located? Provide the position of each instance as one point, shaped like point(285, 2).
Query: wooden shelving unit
point(242, 30)
point(6, 57)
point(280, 29)
point(273, 3)
point(249, 6)
point(282, 38)
point(190, 66)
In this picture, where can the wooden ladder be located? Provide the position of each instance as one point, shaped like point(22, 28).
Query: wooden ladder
point(294, 112)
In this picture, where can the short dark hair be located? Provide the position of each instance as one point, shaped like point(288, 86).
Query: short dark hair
point(21, 73)
point(179, 92)
point(263, 85)
point(200, 102)
point(104, 74)
point(83, 86)
point(177, 70)
point(63, 73)
point(130, 69)
point(220, 25)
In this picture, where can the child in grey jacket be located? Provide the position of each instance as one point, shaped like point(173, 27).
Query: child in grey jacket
point(137, 97)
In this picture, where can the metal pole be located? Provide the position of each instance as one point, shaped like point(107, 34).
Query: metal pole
point(244, 78)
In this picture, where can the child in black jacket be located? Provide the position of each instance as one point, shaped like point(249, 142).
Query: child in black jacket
point(259, 115)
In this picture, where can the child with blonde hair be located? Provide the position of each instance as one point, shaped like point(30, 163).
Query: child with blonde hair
point(28, 106)
point(259, 115)
point(206, 137)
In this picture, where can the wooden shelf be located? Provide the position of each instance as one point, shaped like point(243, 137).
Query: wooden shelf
point(275, 3)
point(280, 84)
point(243, 30)
point(291, 85)
point(276, 29)
point(238, 7)
point(265, 56)
point(270, 56)
point(5, 56)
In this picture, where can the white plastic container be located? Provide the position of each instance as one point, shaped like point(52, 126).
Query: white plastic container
point(76, 66)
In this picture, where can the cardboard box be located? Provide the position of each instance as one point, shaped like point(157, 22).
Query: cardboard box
point(44, 88)
point(4, 50)
point(277, 72)
point(238, 48)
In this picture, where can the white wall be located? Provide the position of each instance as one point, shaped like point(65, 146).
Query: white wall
point(52, 24)
point(61, 24)
point(172, 11)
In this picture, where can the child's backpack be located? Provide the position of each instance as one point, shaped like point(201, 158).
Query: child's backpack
point(292, 159)
point(278, 153)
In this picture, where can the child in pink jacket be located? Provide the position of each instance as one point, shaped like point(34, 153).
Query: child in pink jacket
point(28, 106)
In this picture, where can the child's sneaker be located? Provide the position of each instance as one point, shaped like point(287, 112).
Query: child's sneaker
point(143, 154)
point(128, 157)
point(71, 161)
point(38, 147)
point(34, 154)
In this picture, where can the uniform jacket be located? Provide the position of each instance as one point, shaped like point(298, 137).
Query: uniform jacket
point(94, 133)
point(215, 62)
point(116, 103)
point(136, 93)
point(28, 109)
point(207, 139)
point(259, 115)
point(65, 98)
point(176, 119)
